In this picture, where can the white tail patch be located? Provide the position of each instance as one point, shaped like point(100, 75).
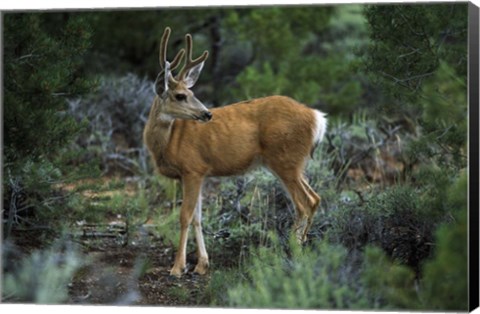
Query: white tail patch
point(320, 127)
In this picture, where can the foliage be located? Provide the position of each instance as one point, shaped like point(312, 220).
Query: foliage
point(294, 58)
point(42, 277)
point(445, 284)
point(424, 66)
point(114, 55)
point(215, 293)
point(239, 216)
point(424, 36)
point(324, 275)
point(444, 104)
point(392, 220)
point(244, 42)
point(42, 68)
point(117, 112)
point(395, 291)
point(366, 150)
point(310, 277)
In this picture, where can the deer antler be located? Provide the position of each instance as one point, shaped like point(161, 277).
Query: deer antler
point(163, 52)
point(189, 63)
point(165, 76)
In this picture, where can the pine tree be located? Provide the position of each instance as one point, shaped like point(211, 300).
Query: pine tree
point(41, 70)
point(43, 56)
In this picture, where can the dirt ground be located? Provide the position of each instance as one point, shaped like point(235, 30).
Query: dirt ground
point(135, 274)
point(117, 274)
point(118, 270)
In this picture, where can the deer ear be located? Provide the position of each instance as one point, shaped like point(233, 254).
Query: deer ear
point(161, 83)
point(193, 74)
point(166, 76)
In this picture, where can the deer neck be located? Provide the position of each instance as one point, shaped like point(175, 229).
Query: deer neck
point(158, 129)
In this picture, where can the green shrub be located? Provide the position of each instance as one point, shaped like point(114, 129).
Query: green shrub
point(392, 220)
point(445, 282)
point(389, 285)
point(311, 277)
point(216, 291)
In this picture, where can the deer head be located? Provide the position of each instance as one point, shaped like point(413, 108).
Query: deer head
point(176, 99)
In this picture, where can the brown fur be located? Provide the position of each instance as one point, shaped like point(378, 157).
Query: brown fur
point(266, 129)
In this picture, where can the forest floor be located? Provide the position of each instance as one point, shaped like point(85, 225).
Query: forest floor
point(113, 275)
point(121, 265)
point(129, 265)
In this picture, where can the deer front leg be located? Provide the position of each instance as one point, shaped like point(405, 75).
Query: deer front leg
point(202, 264)
point(191, 190)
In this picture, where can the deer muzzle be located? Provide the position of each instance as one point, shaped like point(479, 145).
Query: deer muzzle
point(206, 116)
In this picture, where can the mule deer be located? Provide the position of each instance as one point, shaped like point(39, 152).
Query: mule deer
point(189, 142)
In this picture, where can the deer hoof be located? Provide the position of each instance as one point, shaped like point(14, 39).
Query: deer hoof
point(176, 272)
point(201, 268)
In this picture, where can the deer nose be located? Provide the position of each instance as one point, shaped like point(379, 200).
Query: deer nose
point(206, 116)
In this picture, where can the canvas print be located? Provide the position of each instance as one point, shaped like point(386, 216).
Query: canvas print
point(279, 157)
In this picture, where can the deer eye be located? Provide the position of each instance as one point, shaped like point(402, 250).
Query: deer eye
point(180, 97)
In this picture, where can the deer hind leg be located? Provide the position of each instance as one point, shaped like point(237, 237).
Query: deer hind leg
point(191, 191)
point(202, 264)
point(314, 203)
point(304, 198)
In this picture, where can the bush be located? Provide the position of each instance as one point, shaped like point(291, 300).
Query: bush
point(320, 277)
point(117, 113)
point(387, 262)
point(239, 217)
point(445, 283)
point(390, 285)
point(42, 68)
point(215, 293)
point(392, 220)
point(366, 151)
point(42, 277)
